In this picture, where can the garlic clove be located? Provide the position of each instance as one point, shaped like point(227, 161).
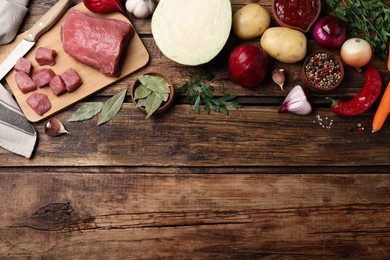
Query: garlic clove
point(141, 8)
point(54, 127)
point(278, 77)
point(132, 4)
point(296, 102)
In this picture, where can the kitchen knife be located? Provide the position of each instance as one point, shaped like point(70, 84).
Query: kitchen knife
point(43, 24)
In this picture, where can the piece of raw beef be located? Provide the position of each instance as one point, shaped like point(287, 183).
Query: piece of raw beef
point(43, 76)
point(24, 65)
point(95, 41)
point(45, 56)
point(39, 102)
point(24, 82)
point(71, 80)
point(57, 85)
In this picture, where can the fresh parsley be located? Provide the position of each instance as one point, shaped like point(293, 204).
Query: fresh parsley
point(368, 19)
point(199, 93)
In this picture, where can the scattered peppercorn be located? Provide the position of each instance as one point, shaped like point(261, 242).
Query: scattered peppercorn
point(323, 71)
point(325, 122)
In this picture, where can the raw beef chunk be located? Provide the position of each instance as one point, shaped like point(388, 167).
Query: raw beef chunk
point(57, 85)
point(95, 41)
point(45, 56)
point(24, 65)
point(39, 102)
point(43, 76)
point(71, 80)
point(24, 82)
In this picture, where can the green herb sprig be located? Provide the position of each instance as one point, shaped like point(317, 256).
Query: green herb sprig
point(199, 93)
point(368, 19)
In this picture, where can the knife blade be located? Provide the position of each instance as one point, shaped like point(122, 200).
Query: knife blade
point(40, 27)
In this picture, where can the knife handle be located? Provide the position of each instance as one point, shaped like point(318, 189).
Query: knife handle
point(47, 20)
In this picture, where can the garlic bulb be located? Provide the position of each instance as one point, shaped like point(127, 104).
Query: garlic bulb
point(141, 8)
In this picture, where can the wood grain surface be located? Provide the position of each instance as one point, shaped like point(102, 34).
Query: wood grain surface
point(252, 185)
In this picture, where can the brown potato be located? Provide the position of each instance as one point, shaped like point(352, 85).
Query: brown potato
point(284, 44)
point(251, 21)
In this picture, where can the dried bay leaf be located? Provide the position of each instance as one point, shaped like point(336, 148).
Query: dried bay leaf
point(153, 102)
point(163, 96)
point(86, 112)
point(141, 102)
point(155, 84)
point(141, 92)
point(111, 107)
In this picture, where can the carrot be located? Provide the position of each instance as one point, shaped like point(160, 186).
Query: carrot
point(383, 110)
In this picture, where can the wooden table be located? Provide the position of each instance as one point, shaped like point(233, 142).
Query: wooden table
point(181, 185)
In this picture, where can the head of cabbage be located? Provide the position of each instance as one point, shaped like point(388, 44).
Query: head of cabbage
point(192, 32)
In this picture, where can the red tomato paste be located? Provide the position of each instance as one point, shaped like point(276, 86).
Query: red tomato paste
point(297, 13)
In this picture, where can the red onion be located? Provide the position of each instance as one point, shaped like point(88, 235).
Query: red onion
point(296, 102)
point(104, 6)
point(247, 65)
point(330, 32)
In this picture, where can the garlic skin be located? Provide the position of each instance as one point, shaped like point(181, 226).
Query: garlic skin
point(296, 102)
point(141, 8)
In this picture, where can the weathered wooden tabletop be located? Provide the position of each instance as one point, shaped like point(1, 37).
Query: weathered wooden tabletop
point(181, 185)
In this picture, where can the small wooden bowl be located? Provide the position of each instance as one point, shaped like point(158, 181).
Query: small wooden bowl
point(165, 105)
point(312, 86)
point(284, 24)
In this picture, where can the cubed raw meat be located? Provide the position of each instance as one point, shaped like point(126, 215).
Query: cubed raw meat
point(45, 56)
point(57, 85)
point(24, 82)
point(71, 79)
point(39, 102)
point(43, 76)
point(24, 65)
point(96, 41)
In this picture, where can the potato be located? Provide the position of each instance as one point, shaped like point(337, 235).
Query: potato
point(284, 44)
point(251, 21)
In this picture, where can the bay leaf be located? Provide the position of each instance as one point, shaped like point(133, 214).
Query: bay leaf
point(111, 107)
point(154, 83)
point(86, 112)
point(141, 102)
point(141, 92)
point(163, 96)
point(153, 102)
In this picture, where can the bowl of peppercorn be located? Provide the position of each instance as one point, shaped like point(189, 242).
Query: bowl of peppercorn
point(322, 72)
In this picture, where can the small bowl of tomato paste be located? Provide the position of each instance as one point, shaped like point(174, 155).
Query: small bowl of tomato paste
point(298, 14)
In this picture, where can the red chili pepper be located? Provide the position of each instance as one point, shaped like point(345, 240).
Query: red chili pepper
point(366, 97)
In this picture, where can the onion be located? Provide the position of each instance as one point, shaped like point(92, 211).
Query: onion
point(247, 65)
point(104, 6)
point(296, 102)
point(356, 52)
point(330, 32)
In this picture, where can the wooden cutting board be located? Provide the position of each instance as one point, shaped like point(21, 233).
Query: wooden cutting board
point(135, 57)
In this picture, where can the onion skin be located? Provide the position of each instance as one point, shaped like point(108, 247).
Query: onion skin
point(330, 32)
point(104, 6)
point(247, 65)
